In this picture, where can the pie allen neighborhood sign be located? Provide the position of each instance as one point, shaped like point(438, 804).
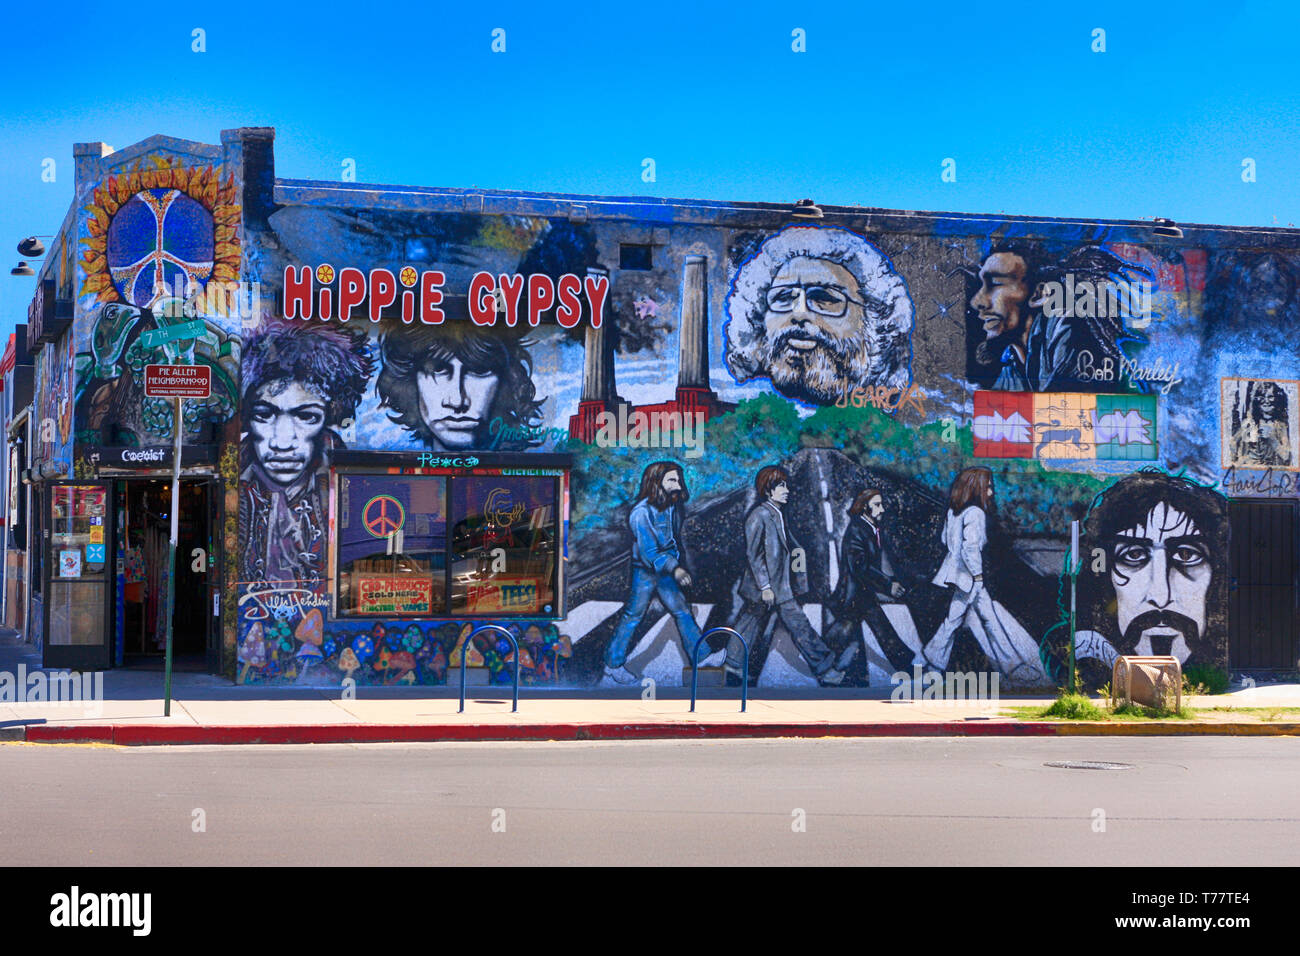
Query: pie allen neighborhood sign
point(178, 381)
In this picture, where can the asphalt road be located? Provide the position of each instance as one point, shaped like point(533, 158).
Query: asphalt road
point(944, 801)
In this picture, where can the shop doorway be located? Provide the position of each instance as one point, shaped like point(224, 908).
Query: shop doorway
point(144, 516)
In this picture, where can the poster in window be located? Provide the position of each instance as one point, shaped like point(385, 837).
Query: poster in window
point(394, 594)
point(70, 563)
point(504, 594)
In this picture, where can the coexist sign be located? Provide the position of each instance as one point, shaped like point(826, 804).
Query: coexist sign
point(178, 381)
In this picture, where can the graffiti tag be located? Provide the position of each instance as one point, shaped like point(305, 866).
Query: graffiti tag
point(281, 603)
point(884, 398)
point(1261, 484)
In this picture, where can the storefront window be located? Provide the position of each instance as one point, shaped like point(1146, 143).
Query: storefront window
point(423, 546)
point(504, 546)
point(392, 546)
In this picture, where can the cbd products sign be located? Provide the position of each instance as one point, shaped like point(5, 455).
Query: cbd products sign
point(394, 594)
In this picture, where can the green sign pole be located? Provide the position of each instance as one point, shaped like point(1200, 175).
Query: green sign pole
point(1074, 577)
point(177, 430)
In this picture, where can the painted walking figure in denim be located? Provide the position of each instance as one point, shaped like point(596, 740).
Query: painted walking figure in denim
point(658, 565)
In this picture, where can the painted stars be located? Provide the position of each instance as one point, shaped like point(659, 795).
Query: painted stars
point(646, 308)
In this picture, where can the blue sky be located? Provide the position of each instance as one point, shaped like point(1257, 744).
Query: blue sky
point(1038, 124)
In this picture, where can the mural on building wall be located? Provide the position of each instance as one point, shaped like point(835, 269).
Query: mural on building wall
point(1257, 424)
point(159, 225)
point(112, 408)
point(460, 386)
point(1252, 305)
point(300, 388)
point(1065, 425)
point(1041, 319)
point(803, 462)
point(1154, 577)
point(819, 312)
point(160, 262)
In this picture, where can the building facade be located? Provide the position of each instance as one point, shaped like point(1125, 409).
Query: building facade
point(859, 437)
point(17, 372)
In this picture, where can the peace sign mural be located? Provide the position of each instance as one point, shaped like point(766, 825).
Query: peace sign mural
point(383, 515)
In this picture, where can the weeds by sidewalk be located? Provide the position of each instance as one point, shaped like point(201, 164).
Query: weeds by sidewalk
point(1082, 707)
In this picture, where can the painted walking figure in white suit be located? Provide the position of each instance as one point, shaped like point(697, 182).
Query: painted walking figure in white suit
point(1007, 645)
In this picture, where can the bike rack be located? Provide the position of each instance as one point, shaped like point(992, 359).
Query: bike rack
point(695, 665)
point(464, 662)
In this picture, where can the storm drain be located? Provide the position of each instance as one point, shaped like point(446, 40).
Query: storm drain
point(1088, 765)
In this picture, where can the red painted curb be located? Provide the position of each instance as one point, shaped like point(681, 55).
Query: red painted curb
point(90, 734)
point(155, 734)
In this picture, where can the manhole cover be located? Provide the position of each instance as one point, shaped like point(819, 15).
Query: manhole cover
point(1088, 765)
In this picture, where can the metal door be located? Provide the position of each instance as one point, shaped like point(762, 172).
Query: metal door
point(1263, 621)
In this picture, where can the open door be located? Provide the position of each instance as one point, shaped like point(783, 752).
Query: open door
point(212, 577)
point(78, 595)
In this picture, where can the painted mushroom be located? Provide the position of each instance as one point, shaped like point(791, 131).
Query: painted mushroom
point(252, 651)
point(311, 629)
point(348, 662)
point(308, 654)
point(402, 663)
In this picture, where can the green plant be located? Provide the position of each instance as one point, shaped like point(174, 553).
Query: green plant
point(1204, 679)
point(1138, 711)
point(1073, 707)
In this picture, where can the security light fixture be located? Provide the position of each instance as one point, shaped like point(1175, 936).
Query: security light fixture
point(1167, 228)
point(22, 269)
point(806, 209)
point(31, 248)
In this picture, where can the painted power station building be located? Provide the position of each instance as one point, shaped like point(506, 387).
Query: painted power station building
point(857, 436)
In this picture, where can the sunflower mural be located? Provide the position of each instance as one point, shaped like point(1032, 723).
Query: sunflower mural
point(149, 227)
point(154, 232)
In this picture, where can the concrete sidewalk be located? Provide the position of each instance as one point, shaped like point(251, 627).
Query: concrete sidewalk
point(207, 709)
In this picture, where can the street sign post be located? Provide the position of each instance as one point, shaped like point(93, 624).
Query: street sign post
point(177, 382)
point(1073, 568)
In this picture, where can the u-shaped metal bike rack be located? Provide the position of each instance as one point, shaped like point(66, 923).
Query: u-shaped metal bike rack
point(464, 662)
point(695, 665)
